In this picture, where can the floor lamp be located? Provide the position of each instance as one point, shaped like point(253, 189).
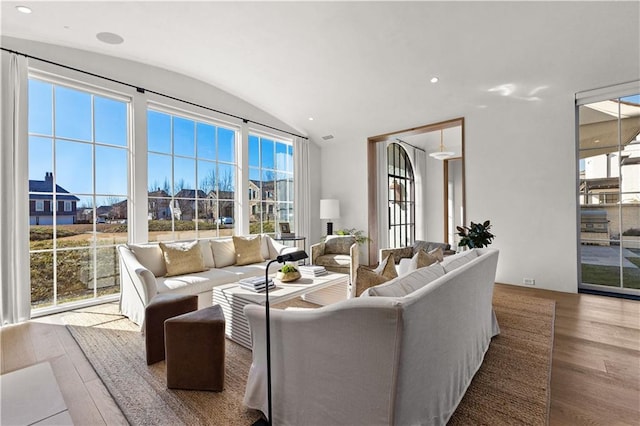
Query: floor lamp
point(289, 257)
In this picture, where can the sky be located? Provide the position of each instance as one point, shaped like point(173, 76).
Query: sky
point(62, 140)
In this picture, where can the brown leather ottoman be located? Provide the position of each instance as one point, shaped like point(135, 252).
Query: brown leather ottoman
point(160, 308)
point(194, 347)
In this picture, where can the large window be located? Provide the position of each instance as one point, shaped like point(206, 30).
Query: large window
point(191, 177)
point(81, 146)
point(401, 197)
point(78, 168)
point(609, 194)
point(270, 184)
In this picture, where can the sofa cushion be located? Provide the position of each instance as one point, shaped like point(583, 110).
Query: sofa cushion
point(334, 260)
point(248, 250)
point(182, 258)
point(407, 284)
point(197, 282)
point(150, 256)
point(224, 252)
point(207, 254)
point(338, 244)
point(367, 277)
point(457, 260)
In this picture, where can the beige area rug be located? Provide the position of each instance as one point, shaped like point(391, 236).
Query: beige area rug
point(511, 387)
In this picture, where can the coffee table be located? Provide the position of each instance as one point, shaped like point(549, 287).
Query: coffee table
point(233, 298)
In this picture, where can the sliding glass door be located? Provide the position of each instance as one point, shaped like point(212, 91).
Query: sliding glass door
point(609, 194)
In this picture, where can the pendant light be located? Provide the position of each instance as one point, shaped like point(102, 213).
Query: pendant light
point(442, 154)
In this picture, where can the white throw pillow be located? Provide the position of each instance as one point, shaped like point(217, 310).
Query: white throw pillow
point(150, 256)
point(457, 260)
point(207, 254)
point(264, 246)
point(224, 252)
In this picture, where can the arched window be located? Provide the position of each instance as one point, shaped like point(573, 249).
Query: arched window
point(401, 197)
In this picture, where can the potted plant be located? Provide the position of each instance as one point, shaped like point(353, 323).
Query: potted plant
point(476, 235)
point(360, 236)
point(288, 273)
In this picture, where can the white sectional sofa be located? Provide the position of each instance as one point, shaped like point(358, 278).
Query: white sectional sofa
point(404, 353)
point(142, 272)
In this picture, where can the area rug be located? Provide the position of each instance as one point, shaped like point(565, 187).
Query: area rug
point(511, 387)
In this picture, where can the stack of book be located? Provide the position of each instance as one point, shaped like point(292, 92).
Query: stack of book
point(256, 284)
point(312, 270)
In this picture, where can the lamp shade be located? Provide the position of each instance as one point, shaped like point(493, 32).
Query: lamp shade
point(329, 209)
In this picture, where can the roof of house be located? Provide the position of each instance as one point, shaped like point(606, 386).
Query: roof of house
point(45, 189)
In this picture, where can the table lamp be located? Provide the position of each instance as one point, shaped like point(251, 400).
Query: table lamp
point(329, 209)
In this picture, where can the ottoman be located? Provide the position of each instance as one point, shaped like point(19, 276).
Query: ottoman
point(194, 348)
point(161, 307)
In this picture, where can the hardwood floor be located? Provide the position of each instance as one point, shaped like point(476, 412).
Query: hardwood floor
point(595, 377)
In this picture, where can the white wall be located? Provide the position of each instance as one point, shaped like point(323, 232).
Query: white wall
point(520, 164)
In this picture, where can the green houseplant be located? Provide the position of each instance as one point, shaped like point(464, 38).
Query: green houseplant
point(475, 235)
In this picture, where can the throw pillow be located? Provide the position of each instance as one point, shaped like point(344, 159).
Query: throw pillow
point(150, 256)
point(338, 244)
point(422, 259)
point(438, 253)
point(367, 277)
point(224, 252)
point(182, 258)
point(207, 254)
point(248, 250)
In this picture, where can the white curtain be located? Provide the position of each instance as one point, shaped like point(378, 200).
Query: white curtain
point(15, 294)
point(302, 187)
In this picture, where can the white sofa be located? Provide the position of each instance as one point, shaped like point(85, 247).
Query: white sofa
point(404, 360)
point(141, 276)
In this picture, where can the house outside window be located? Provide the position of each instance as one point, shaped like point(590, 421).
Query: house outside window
point(191, 176)
point(79, 142)
point(271, 176)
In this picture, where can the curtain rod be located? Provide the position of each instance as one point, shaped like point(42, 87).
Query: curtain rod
point(143, 90)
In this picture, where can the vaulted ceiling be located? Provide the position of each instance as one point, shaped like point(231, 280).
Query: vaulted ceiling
point(357, 68)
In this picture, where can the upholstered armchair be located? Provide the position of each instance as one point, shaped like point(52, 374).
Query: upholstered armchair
point(338, 253)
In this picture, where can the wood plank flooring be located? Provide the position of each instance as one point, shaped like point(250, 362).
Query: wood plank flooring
point(595, 377)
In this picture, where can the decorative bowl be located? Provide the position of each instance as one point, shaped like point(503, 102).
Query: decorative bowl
point(286, 277)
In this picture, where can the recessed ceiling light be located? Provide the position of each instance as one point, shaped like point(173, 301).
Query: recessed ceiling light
point(109, 38)
point(434, 79)
point(310, 118)
point(23, 9)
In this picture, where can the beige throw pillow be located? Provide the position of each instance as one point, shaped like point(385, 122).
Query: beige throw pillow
point(248, 250)
point(182, 258)
point(367, 277)
point(422, 259)
point(438, 253)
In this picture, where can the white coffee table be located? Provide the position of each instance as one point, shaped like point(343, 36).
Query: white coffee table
point(233, 298)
